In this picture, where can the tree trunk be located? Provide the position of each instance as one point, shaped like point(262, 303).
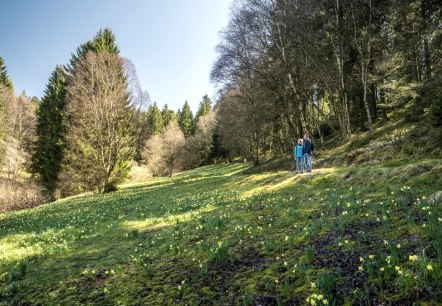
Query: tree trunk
point(364, 73)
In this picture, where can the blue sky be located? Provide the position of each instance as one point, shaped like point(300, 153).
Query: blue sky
point(171, 42)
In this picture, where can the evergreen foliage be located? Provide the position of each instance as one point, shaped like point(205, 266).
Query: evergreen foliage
point(204, 108)
point(49, 148)
point(168, 115)
point(186, 121)
point(104, 40)
point(155, 120)
point(5, 80)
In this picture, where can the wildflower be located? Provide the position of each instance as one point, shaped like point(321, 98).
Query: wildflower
point(382, 269)
point(325, 302)
point(360, 268)
point(361, 259)
point(385, 242)
point(313, 285)
point(276, 281)
point(429, 267)
point(312, 302)
point(412, 258)
point(345, 213)
point(179, 287)
point(346, 241)
point(371, 256)
point(286, 238)
point(398, 245)
point(424, 197)
point(397, 268)
point(285, 263)
point(320, 297)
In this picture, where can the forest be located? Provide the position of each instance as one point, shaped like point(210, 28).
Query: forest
point(333, 69)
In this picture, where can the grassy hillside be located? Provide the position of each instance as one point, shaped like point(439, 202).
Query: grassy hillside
point(216, 235)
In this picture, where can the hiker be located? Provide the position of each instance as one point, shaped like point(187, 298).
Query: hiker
point(299, 156)
point(308, 150)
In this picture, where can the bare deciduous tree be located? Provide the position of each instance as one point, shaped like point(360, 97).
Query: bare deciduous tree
point(173, 143)
point(163, 152)
point(100, 129)
point(17, 131)
point(198, 146)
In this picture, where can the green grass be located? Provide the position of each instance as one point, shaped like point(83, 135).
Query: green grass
point(221, 235)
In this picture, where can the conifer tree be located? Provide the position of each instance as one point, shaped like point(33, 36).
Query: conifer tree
point(48, 154)
point(168, 115)
point(4, 78)
point(155, 120)
point(204, 108)
point(104, 40)
point(186, 120)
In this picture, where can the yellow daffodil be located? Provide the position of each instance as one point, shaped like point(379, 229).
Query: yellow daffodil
point(412, 258)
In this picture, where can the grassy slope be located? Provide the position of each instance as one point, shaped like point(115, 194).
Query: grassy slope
point(217, 234)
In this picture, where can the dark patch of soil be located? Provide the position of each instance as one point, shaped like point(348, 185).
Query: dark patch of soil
point(220, 275)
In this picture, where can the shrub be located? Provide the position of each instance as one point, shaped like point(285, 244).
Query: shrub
point(110, 187)
point(16, 195)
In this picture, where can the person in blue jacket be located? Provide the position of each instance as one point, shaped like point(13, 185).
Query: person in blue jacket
point(308, 151)
point(299, 156)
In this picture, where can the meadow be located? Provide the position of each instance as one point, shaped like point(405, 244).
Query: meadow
point(354, 235)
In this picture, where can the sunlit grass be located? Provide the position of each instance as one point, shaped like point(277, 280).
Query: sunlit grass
point(215, 234)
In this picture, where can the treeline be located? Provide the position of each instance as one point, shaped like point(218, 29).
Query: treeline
point(287, 67)
point(92, 123)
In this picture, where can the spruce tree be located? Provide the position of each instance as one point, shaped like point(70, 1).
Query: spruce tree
point(168, 115)
point(4, 78)
point(154, 120)
point(204, 108)
point(104, 40)
point(186, 120)
point(48, 154)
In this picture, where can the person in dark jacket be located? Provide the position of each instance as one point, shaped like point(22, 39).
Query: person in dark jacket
point(299, 156)
point(307, 152)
